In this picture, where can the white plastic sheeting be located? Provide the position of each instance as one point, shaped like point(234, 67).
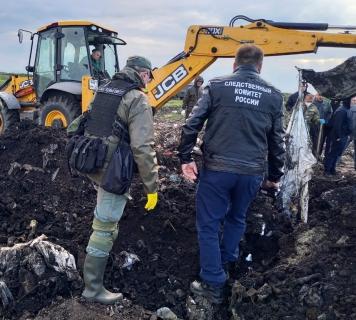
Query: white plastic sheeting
point(34, 260)
point(298, 166)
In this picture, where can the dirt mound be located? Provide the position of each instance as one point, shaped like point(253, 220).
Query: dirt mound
point(296, 272)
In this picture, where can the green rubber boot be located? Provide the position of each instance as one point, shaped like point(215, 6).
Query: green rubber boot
point(94, 269)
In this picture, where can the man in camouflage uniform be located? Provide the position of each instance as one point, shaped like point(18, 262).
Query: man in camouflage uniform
point(192, 96)
point(325, 112)
point(312, 118)
point(135, 112)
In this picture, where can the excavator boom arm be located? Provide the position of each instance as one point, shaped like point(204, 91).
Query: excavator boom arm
point(204, 44)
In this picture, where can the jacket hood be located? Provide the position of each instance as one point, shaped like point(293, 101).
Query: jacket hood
point(197, 79)
point(131, 75)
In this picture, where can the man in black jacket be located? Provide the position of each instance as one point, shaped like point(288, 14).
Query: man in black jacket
point(244, 132)
point(353, 125)
point(292, 99)
point(338, 136)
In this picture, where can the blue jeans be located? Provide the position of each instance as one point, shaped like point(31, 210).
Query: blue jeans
point(355, 154)
point(222, 198)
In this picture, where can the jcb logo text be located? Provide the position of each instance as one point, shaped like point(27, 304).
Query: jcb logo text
point(168, 83)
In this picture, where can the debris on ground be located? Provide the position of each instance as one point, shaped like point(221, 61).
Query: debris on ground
point(302, 271)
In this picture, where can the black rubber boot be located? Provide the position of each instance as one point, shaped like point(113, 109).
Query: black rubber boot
point(213, 294)
point(94, 269)
point(229, 268)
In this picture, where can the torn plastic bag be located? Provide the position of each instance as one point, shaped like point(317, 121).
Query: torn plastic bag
point(297, 167)
point(33, 266)
point(338, 83)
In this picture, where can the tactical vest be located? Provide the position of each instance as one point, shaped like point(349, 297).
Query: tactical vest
point(104, 107)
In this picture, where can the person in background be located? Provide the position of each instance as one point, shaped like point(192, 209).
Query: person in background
point(325, 113)
point(353, 125)
point(95, 58)
point(338, 136)
point(292, 100)
point(192, 96)
point(312, 118)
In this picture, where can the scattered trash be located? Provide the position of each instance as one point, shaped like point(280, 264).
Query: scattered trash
point(129, 259)
point(54, 175)
point(56, 257)
point(264, 292)
point(249, 257)
point(263, 229)
point(269, 233)
point(33, 228)
point(5, 295)
point(27, 266)
point(343, 240)
point(48, 160)
point(199, 309)
point(26, 167)
point(166, 314)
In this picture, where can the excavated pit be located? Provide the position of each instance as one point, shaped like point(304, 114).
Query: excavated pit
point(286, 271)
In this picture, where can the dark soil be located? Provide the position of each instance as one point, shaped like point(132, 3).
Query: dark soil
point(297, 271)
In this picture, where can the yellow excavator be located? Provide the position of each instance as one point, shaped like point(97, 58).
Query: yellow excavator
point(62, 76)
point(63, 79)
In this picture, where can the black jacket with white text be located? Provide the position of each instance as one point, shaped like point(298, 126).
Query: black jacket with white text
point(244, 128)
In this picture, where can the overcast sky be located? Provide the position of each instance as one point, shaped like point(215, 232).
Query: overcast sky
point(157, 28)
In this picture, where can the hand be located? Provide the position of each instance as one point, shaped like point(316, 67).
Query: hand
point(267, 184)
point(270, 189)
point(152, 199)
point(322, 121)
point(190, 171)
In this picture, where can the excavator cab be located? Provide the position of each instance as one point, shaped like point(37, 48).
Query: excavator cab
point(64, 54)
point(64, 58)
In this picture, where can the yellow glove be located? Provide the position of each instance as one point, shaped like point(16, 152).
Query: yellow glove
point(152, 199)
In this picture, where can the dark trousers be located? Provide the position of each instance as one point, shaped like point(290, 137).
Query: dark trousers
point(333, 151)
point(355, 153)
point(314, 134)
point(325, 131)
point(222, 201)
point(188, 111)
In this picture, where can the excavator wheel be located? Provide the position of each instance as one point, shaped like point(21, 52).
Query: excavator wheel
point(59, 111)
point(8, 118)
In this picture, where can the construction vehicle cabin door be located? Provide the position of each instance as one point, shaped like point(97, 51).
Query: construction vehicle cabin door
point(74, 54)
point(110, 60)
point(45, 65)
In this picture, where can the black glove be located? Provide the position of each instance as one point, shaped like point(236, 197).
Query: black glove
point(271, 192)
